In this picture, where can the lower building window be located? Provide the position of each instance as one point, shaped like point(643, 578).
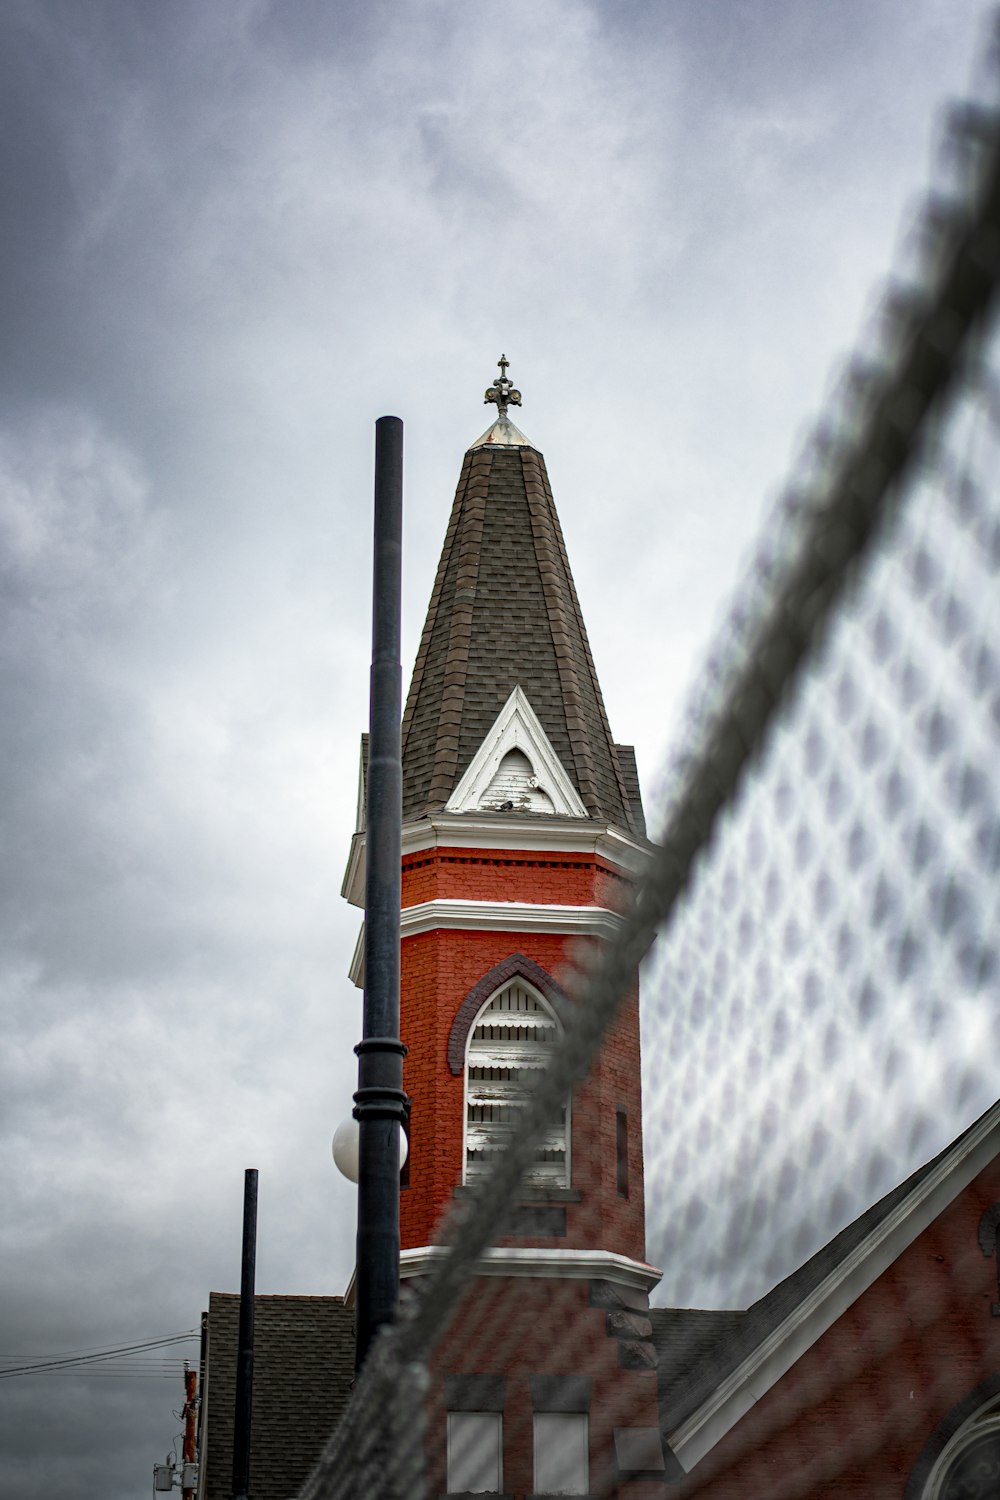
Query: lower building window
point(561, 1461)
point(475, 1452)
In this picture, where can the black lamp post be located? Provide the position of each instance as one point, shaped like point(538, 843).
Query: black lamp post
point(380, 1102)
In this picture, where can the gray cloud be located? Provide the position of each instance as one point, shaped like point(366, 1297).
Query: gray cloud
point(235, 235)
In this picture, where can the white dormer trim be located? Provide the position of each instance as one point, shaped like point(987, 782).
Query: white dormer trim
point(517, 727)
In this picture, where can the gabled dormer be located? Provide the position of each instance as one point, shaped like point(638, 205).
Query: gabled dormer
point(516, 769)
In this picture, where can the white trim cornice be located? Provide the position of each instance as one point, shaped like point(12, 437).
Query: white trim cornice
point(456, 915)
point(543, 833)
point(572, 1265)
point(507, 916)
point(568, 1265)
point(827, 1302)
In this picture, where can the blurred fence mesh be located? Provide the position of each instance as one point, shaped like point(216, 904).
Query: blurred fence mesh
point(819, 1002)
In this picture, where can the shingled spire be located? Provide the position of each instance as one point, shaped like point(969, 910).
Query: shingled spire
point(504, 614)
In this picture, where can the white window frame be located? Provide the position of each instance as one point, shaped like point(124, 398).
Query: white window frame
point(574, 1427)
point(536, 994)
point(485, 1421)
point(986, 1420)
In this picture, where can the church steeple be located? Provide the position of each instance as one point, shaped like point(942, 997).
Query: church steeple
point(522, 837)
point(504, 615)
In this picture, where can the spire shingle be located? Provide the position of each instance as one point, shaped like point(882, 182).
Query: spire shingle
point(504, 613)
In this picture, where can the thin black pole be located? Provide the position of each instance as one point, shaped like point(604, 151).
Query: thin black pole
point(244, 1356)
point(380, 1101)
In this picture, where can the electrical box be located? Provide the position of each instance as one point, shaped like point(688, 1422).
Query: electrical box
point(163, 1477)
point(189, 1477)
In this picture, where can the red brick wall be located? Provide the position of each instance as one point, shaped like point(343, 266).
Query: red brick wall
point(513, 875)
point(852, 1417)
point(522, 1326)
point(439, 968)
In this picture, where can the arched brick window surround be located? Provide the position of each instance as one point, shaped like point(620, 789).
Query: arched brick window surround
point(508, 968)
point(946, 1429)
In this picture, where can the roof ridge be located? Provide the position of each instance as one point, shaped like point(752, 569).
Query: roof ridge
point(325, 1297)
point(473, 513)
point(457, 689)
point(535, 474)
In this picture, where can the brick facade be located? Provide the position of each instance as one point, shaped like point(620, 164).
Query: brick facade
point(566, 878)
point(555, 1328)
point(440, 968)
point(856, 1413)
point(522, 1328)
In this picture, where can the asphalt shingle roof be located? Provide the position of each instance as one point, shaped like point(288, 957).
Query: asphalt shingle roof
point(302, 1378)
point(504, 612)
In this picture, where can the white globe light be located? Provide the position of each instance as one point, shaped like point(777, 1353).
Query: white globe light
point(346, 1148)
point(346, 1144)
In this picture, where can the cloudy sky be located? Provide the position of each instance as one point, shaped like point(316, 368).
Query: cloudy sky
point(234, 235)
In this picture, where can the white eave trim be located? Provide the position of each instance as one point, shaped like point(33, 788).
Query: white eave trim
point(549, 834)
point(830, 1300)
point(353, 886)
point(572, 1265)
point(356, 973)
point(452, 914)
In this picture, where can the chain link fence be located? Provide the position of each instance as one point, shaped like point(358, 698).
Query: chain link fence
point(823, 894)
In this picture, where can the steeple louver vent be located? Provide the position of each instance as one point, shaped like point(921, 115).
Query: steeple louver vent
point(515, 787)
point(512, 1039)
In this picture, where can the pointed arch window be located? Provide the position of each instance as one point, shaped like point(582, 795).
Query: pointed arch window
point(510, 1042)
point(967, 1465)
point(961, 1458)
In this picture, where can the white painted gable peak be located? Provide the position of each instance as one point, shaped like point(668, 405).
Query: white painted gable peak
point(516, 769)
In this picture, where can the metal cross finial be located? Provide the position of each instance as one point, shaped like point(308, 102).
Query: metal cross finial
point(501, 393)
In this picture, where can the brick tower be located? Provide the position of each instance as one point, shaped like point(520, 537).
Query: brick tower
point(522, 831)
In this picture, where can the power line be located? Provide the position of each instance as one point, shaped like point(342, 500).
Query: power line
point(126, 1374)
point(100, 1356)
point(135, 1368)
point(154, 1338)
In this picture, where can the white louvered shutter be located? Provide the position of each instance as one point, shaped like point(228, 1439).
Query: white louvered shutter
point(511, 1040)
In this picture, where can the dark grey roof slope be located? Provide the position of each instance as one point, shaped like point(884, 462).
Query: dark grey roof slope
point(684, 1336)
point(629, 773)
point(504, 612)
point(694, 1357)
point(303, 1371)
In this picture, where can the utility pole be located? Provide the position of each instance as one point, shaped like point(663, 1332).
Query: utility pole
point(188, 1451)
point(380, 1102)
point(244, 1355)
